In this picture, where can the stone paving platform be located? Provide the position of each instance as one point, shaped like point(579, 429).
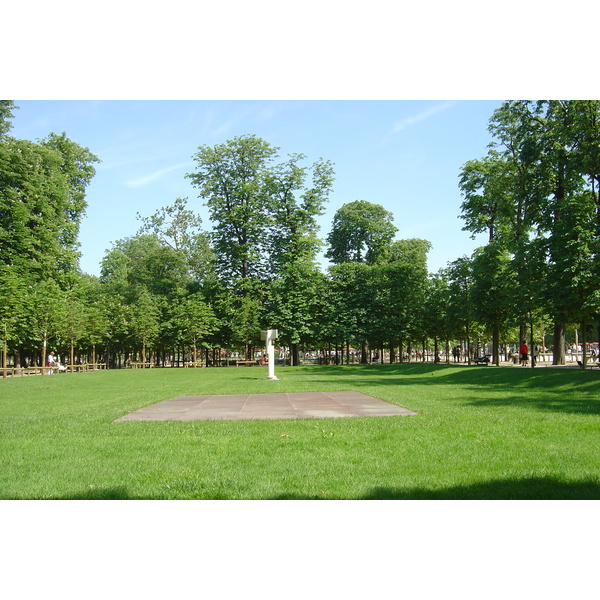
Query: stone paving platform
point(240, 407)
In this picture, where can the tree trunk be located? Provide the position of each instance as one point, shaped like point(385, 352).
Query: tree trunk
point(532, 356)
point(294, 355)
point(467, 332)
point(558, 341)
point(364, 360)
point(496, 345)
point(522, 332)
point(584, 344)
point(392, 353)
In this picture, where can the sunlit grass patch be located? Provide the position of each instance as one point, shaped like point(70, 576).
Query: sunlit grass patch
point(479, 433)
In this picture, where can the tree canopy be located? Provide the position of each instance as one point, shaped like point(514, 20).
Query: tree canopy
point(361, 232)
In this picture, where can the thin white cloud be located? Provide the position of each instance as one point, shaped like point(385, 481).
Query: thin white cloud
point(422, 116)
point(133, 183)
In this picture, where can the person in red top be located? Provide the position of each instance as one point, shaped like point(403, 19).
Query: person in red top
point(524, 351)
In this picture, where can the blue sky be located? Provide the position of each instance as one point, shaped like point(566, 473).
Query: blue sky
point(399, 100)
point(405, 155)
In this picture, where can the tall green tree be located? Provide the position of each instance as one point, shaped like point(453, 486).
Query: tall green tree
point(42, 201)
point(196, 322)
point(351, 304)
point(573, 272)
point(397, 297)
point(411, 252)
point(179, 228)
point(493, 287)
point(572, 216)
point(233, 180)
point(461, 307)
point(143, 260)
point(144, 320)
point(264, 216)
point(485, 185)
point(14, 314)
point(361, 232)
point(294, 207)
point(45, 309)
point(435, 312)
point(292, 306)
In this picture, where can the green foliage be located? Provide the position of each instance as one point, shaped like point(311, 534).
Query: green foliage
point(6, 113)
point(461, 308)
point(144, 317)
point(179, 228)
point(350, 302)
point(42, 201)
point(264, 214)
point(294, 302)
point(233, 179)
point(144, 261)
point(537, 194)
point(411, 252)
point(293, 234)
point(361, 232)
point(12, 295)
point(436, 312)
point(196, 320)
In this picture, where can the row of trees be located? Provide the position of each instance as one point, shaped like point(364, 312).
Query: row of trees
point(173, 289)
point(42, 202)
point(537, 195)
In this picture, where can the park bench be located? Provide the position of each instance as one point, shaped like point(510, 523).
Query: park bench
point(245, 362)
point(482, 360)
point(21, 371)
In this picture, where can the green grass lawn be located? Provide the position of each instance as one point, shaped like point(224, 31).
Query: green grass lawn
point(481, 433)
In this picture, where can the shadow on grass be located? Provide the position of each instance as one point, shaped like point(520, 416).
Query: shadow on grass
point(559, 390)
point(117, 493)
point(537, 488)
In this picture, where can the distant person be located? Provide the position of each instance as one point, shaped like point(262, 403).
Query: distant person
point(524, 351)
